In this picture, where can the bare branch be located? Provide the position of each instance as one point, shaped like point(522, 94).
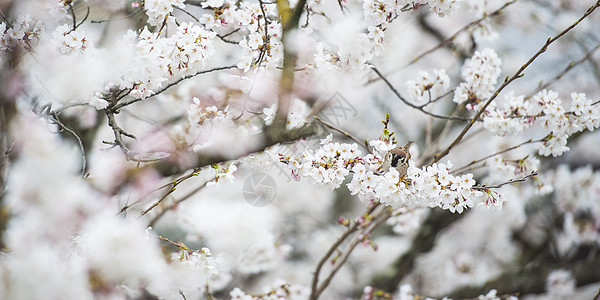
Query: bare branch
point(530, 141)
point(419, 108)
point(57, 121)
point(172, 186)
point(449, 40)
point(379, 218)
point(118, 133)
point(175, 203)
point(187, 13)
point(510, 181)
point(568, 68)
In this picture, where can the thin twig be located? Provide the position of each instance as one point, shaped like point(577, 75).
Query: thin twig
point(128, 17)
point(417, 107)
point(87, 14)
point(447, 41)
point(333, 248)
point(118, 133)
point(173, 186)
point(226, 40)
point(445, 130)
point(345, 133)
point(431, 101)
point(170, 184)
point(378, 218)
point(72, 16)
point(568, 68)
point(594, 65)
point(230, 33)
point(266, 37)
point(187, 13)
point(175, 203)
point(51, 116)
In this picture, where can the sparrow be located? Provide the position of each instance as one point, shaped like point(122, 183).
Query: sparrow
point(398, 158)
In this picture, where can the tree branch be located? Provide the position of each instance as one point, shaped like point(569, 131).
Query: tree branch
point(530, 141)
point(419, 108)
point(115, 108)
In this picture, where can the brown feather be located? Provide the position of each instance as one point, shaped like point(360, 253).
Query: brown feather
point(398, 158)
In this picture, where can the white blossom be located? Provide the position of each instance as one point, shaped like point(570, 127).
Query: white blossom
point(480, 73)
point(560, 284)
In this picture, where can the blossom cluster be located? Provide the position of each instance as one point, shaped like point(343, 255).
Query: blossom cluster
point(184, 53)
point(263, 42)
point(24, 32)
point(502, 168)
point(261, 32)
point(561, 123)
point(328, 165)
point(198, 114)
point(436, 187)
point(480, 73)
point(516, 114)
point(379, 13)
point(98, 101)
point(69, 41)
point(423, 89)
point(430, 186)
point(159, 10)
point(223, 174)
point(441, 7)
point(508, 117)
point(560, 284)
